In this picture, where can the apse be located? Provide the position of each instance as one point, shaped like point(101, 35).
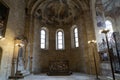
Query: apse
point(59, 12)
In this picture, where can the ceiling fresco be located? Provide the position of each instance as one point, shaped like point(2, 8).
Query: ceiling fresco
point(59, 12)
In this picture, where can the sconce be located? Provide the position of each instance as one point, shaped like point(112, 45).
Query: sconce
point(31, 57)
point(19, 43)
point(92, 41)
point(2, 38)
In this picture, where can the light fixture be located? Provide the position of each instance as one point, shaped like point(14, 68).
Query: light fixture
point(92, 43)
point(105, 31)
point(1, 37)
point(19, 43)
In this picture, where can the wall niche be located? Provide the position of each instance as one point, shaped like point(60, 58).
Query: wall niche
point(4, 11)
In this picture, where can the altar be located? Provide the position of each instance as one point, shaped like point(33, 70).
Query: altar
point(59, 67)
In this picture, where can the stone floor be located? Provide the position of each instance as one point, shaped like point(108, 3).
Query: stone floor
point(75, 76)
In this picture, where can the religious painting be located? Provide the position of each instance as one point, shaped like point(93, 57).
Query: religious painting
point(4, 10)
point(103, 50)
point(116, 51)
point(103, 56)
point(100, 19)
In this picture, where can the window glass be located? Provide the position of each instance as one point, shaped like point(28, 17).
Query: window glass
point(60, 40)
point(42, 36)
point(76, 37)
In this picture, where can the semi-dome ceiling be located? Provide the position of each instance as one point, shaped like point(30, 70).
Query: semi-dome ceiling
point(60, 11)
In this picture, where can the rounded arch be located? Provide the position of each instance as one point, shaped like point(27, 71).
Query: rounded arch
point(34, 4)
point(5, 4)
point(60, 14)
point(44, 28)
point(59, 30)
point(74, 26)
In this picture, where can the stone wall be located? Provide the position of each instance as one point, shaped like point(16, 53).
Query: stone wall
point(79, 58)
point(15, 26)
point(117, 24)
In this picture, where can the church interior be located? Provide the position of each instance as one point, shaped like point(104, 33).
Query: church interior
point(60, 39)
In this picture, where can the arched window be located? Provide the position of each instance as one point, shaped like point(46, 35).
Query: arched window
point(108, 24)
point(60, 39)
point(76, 42)
point(74, 36)
point(44, 38)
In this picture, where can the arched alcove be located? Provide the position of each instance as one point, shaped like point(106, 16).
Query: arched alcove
point(63, 16)
point(20, 59)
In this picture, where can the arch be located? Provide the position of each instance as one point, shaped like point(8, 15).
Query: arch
point(60, 39)
point(33, 5)
point(44, 8)
point(2, 1)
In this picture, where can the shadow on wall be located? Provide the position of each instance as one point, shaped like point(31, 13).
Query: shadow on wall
point(0, 55)
point(4, 11)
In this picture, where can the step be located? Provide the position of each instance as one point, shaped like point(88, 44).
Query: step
point(25, 73)
point(16, 77)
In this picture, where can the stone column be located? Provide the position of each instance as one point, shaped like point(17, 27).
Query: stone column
point(30, 43)
point(90, 31)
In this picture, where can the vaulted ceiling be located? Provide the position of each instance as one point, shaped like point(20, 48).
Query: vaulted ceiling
point(57, 11)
